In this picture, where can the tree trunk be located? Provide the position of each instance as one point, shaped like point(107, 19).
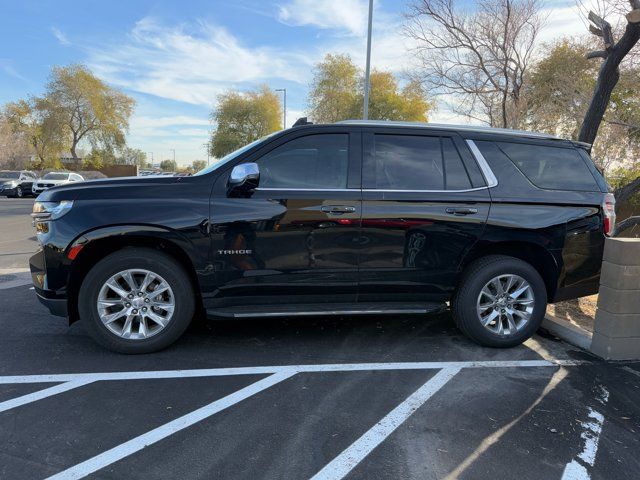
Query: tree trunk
point(74, 144)
point(607, 80)
point(625, 192)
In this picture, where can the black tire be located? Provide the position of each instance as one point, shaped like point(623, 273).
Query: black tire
point(142, 258)
point(19, 192)
point(475, 277)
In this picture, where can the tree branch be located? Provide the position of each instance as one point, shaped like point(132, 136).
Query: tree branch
point(597, 54)
point(625, 192)
point(626, 224)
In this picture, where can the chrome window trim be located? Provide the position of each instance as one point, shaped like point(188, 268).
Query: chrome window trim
point(422, 191)
point(271, 189)
point(491, 179)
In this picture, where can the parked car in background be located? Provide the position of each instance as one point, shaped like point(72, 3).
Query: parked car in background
point(359, 217)
point(16, 183)
point(53, 179)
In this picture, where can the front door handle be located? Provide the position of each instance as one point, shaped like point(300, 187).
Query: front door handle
point(338, 209)
point(461, 210)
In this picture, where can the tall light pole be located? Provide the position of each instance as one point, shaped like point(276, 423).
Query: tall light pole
point(175, 165)
point(284, 111)
point(151, 159)
point(367, 82)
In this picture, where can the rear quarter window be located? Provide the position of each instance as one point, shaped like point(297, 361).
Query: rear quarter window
point(552, 168)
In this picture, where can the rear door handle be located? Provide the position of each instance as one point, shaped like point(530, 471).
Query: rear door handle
point(461, 210)
point(338, 209)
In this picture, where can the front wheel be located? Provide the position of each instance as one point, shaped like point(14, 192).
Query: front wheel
point(136, 300)
point(501, 301)
point(19, 192)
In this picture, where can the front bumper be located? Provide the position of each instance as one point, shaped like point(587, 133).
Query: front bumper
point(7, 192)
point(57, 306)
point(55, 302)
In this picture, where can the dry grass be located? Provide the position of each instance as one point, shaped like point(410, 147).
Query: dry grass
point(580, 312)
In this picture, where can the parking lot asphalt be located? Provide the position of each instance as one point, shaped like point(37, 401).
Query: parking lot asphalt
point(404, 397)
point(17, 237)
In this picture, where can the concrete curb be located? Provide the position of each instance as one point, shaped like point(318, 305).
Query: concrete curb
point(567, 331)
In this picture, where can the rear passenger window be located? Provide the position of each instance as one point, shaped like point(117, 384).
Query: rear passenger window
point(551, 168)
point(412, 162)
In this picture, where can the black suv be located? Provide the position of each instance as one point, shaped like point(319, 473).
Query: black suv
point(358, 217)
point(16, 183)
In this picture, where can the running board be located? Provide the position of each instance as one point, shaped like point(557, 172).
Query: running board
point(320, 309)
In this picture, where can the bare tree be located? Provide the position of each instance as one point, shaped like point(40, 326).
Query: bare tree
point(612, 54)
point(480, 56)
point(15, 152)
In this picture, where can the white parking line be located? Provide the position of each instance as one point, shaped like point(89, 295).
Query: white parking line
point(138, 443)
point(577, 469)
point(338, 367)
point(40, 394)
point(340, 466)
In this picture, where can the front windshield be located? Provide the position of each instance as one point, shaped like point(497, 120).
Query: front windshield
point(56, 176)
point(8, 174)
point(232, 155)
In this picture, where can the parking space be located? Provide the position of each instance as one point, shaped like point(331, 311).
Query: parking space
point(359, 398)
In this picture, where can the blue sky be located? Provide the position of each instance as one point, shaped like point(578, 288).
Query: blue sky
point(175, 57)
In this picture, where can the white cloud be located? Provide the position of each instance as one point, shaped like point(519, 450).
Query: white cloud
point(348, 15)
point(145, 121)
point(293, 115)
point(6, 66)
point(563, 21)
point(60, 36)
point(192, 63)
point(193, 132)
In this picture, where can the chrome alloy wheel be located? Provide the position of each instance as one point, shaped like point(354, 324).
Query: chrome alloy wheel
point(505, 304)
point(136, 304)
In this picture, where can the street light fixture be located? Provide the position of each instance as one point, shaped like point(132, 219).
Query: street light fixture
point(367, 82)
point(284, 111)
point(175, 165)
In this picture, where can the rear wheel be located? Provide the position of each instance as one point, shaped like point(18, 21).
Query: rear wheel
point(136, 300)
point(500, 302)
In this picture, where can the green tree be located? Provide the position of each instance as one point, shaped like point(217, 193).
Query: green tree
point(388, 102)
point(559, 89)
point(15, 151)
point(198, 165)
point(98, 158)
point(88, 108)
point(132, 156)
point(337, 93)
point(241, 118)
point(333, 95)
point(168, 166)
point(39, 124)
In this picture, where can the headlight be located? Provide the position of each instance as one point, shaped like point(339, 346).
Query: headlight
point(43, 211)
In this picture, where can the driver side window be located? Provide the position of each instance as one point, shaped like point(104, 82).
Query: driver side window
point(312, 162)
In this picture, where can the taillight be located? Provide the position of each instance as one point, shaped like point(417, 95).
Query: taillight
point(609, 210)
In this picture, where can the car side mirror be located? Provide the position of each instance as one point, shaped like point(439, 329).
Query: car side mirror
point(244, 179)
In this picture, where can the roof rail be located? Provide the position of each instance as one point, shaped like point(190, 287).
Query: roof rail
point(302, 121)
